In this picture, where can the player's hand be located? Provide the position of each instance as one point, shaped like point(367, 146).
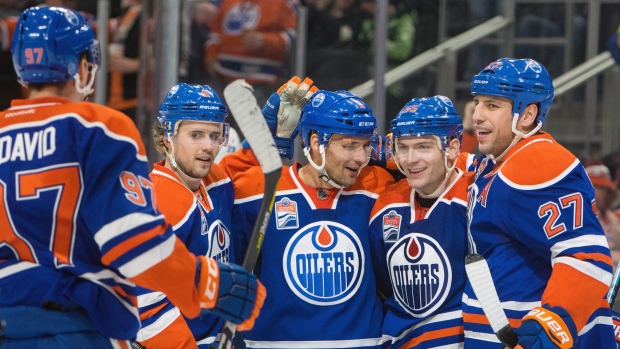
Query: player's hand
point(231, 292)
point(544, 328)
point(293, 95)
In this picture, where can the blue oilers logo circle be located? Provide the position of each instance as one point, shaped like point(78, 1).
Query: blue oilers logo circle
point(420, 273)
point(318, 99)
point(324, 263)
point(240, 17)
point(219, 242)
point(71, 17)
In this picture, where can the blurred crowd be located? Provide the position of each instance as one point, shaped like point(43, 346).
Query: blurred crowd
point(223, 40)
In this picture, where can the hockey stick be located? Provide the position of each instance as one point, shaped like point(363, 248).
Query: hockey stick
point(481, 281)
point(613, 288)
point(247, 113)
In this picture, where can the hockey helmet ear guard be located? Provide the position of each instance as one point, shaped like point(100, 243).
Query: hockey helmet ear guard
point(48, 42)
point(433, 116)
point(524, 81)
point(339, 112)
point(192, 103)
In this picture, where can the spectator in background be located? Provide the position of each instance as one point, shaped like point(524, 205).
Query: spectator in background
point(605, 191)
point(334, 59)
point(333, 24)
point(469, 142)
point(203, 14)
point(252, 40)
point(401, 28)
point(124, 61)
point(11, 89)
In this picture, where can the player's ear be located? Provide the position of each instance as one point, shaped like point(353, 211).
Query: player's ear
point(84, 70)
point(314, 142)
point(527, 121)
point(454, 149)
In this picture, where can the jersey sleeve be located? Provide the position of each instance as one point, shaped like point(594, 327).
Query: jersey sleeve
point(237, 162)
point(132, 235)
point(249, 191)
point(557, 222)
point(378, 250)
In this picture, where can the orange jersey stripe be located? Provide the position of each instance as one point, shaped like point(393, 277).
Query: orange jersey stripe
point(483, 320)
point(147, 314)
point(117, 123)
point(551, 159)
point(174, 276)
point(430, 335)
point(599, 257)
point(579, 302)
point(131, 243)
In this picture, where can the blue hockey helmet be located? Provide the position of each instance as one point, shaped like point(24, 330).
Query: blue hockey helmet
point(432, 116)
point(524, 81)
point(339, 112)
point(192, 102)
point(48, 42)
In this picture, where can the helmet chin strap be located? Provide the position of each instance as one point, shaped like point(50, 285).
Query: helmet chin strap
point(173, 162)
point(440, 189)
point(321, 169)
point(518, 136)
point(87, 90)
point(448, 168)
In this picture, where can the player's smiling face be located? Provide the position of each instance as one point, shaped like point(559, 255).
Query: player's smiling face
point(345, 156)
point(422, 161)
point(196, 144)
point(493, 120)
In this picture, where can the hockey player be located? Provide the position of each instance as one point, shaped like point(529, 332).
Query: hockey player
point(315, 256)
point(532, 219)
point(79, 227)
point(418, 229)
point(196, 196)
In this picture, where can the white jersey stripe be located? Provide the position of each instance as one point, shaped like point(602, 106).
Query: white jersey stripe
point(122, 225)
point(582, 240)
point(599, 320)
point(585, 267)
point(144, 300)
point(148, 259)
point(351, 343)
point(158, 325)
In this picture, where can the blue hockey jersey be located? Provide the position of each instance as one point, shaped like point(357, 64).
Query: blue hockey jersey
point(202, 221)
point(532, 219)
point(315, 261)
point(419, 263)
point(78, 226)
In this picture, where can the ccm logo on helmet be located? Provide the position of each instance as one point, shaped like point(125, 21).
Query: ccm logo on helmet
point(366, 123)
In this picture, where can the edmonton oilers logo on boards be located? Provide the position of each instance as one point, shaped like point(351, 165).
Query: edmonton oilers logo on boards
point(420, 273)
point(219, 242)
point(323, 263)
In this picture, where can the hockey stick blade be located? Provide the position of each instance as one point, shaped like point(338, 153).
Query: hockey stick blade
point(246, 112)
point(481, 281)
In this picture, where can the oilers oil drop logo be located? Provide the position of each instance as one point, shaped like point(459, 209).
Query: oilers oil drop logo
point(241, 17)
point(323, 263)
point(420, 273)
point(219, 242)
